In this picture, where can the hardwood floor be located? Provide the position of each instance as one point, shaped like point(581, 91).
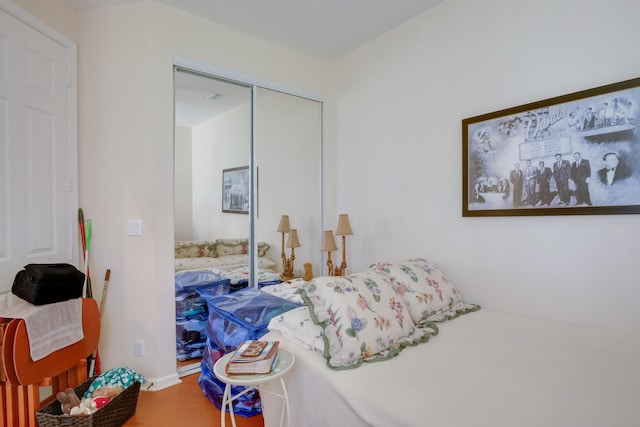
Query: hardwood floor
point(183, 405)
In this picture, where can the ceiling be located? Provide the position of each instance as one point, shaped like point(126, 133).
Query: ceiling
point(199, 98)
point(325, 29)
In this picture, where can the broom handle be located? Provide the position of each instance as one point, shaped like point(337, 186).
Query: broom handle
point(107, 275)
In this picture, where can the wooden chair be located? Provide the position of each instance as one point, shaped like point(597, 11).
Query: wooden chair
point(21, 378)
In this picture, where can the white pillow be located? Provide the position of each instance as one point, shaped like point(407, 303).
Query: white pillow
point(296, 325)
point(287, 290)
point(195, 263)
point(243, 260)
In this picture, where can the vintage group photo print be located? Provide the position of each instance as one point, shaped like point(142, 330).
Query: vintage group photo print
point(235, 190)
point(573, 154)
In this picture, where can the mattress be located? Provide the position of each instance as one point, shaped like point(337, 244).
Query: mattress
point(485, 368)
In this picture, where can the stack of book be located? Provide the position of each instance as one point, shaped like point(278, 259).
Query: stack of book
point(253, 357)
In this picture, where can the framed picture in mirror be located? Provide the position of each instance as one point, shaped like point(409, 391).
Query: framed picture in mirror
point(235, 190)
point(576, 154)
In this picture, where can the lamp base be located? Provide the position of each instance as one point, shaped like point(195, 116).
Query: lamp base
point(285, 277)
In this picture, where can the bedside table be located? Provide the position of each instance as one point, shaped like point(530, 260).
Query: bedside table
point(285, 362)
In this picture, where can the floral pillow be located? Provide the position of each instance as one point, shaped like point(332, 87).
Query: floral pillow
point(195, 249)
point(238, 247)
point(425, 289)
point(362, 318)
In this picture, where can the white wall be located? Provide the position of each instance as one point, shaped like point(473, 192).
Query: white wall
point(400, 100)
point(59, 14)
point(224, 142)
point(183, 186)
point(126, 157)
point(287, 131)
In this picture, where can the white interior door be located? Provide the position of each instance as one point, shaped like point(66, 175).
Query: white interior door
point(38, 154)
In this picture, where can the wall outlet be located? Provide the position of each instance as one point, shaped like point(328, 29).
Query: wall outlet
point(138, 348)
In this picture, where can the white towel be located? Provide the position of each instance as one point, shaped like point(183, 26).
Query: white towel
point(50, 327)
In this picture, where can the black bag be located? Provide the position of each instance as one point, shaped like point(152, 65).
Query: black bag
point(42, 284)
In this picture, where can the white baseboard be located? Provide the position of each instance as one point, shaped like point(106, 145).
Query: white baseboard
point(156, 384)
point(191, 369)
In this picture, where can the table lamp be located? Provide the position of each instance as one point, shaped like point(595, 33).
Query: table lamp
point(292, 242)
point(329, 245)
point(344, 229)
point(284, 228)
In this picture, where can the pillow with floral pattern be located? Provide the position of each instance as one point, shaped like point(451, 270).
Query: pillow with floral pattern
point(425, 289)
point(195, 249)
point(362, 317)
point(238, 247)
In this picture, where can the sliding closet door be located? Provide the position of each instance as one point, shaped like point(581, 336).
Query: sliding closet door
point(212, 157)
point(212, 167)
point(287, 152)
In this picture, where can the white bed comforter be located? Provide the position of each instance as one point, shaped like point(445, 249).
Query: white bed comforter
point(484, 369)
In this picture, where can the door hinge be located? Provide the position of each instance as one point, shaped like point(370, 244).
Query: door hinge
point(68, 79)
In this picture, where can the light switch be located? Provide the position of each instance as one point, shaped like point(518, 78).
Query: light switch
point(134, 227)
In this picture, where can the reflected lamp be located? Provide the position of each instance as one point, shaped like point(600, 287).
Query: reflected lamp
point(329, 245)
point(292, 242)
point(283, 228)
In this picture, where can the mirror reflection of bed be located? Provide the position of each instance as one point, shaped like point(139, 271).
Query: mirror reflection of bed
point(205, 269)
point(213, 133)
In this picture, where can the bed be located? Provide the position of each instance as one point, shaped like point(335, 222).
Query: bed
point(478, 367)
point(228, 258)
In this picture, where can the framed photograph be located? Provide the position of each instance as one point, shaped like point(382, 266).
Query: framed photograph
point(235, 190)
point(576, 154)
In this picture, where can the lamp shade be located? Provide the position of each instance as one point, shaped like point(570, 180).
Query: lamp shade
point(328, 242)
point(284, 226)
point(292, 240)
point(344, 228)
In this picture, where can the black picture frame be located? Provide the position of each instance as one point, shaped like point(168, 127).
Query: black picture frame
point(236, 193)
point(599, 124)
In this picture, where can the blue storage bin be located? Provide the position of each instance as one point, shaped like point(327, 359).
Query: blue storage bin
point(191, 330)
point(206, 292)
point(184, 354)
point(242, 315)
point(188, 306)
point(210, 355)
point(190, 286)
point(188, 282)
point(247, 405)
point(269, 283)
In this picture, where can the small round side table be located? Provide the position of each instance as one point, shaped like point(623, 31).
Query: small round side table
point(284, 363)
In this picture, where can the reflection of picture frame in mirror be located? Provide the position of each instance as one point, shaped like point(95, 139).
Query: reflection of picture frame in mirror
point(575, 154)
point(235, 190)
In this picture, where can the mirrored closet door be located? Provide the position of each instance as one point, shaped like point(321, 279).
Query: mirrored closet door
point(245, 156)
point(288, 155)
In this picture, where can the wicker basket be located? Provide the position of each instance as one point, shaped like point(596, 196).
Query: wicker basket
point(113, 414)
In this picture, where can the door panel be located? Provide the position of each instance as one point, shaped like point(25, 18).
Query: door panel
point(288, 132)
point(37, 170)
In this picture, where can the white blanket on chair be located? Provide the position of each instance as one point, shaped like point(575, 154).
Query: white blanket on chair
point(50, 327)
